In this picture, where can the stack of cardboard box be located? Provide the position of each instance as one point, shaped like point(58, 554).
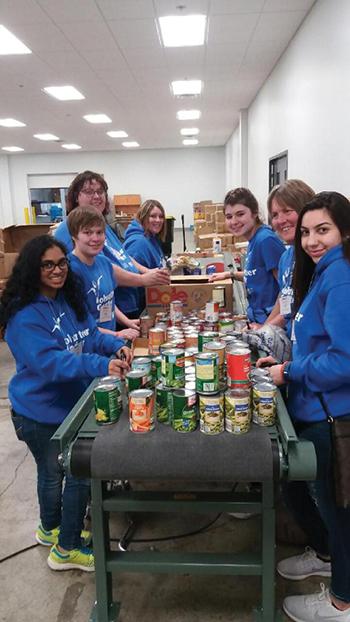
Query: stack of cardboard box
point(126, 204)
point(210, 226)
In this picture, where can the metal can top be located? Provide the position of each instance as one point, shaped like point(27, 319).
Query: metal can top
point(234, 349)
point(156, 329)
point(184, 393)
point(207, 355)
point(208, 333)
point(238, 392)
point(174, 351)
point(109, 380)
point(141, 393)
point(135, 373)
point(265, 386)
point(105, 386)
point(214, 345)
point(141, 360)
point(156, 359)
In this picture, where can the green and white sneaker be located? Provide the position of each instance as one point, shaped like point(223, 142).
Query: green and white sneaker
point(48, 538)
point(77, 559)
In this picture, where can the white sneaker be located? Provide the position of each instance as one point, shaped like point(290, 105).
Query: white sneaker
point(300, 567)
point(314, 608)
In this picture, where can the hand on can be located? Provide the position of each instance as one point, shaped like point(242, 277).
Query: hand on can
point(117, 368)
point(276, 373)
point(125, 354)
point(128, 334)
point(265, 360)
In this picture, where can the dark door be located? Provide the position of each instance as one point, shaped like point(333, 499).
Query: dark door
point(278, 169)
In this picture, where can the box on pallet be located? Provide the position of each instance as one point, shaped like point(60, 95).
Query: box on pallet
point(193, 291)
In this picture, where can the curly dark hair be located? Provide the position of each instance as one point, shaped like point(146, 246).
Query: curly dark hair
point(24, 283)
point(77, 185)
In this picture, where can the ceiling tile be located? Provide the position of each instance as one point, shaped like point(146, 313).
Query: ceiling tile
point(135, 33)
point(126, 9)
point(222, 7)
point(63, 11)
point(92, 36)
point(287, 5)
point(227, 28)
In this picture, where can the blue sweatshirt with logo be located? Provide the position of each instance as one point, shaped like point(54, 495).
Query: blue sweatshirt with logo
point(263, 255)
point(285, 277)
point(145, 248)
point(57, 357)
point(98, 283)
point(321, 352)
point(127, 298)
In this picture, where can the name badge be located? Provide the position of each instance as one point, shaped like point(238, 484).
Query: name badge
point(106, 312)
point(285, 305)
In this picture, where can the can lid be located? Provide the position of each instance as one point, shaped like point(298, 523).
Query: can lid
point(265, 386)
point(109, 379)
point(141, 393)
point(174, 351)
point(216, 345)
point(184, 392)
point(207, 355)
point(135, 373)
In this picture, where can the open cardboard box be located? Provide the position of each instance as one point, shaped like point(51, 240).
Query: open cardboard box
point(140, 346)
point(194, 291)
point(12, 240)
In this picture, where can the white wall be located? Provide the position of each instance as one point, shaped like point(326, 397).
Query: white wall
point(176, 177)
point(233, 161)
point(303, 107)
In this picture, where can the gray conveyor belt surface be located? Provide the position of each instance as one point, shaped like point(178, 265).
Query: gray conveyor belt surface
point(164, 453)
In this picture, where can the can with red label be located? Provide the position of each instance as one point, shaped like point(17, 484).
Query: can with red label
point(211, 311)
point(238, 366)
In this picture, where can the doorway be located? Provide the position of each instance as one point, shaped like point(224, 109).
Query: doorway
point(278, 169)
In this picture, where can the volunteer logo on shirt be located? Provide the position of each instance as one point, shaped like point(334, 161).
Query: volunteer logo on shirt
point(299, 316)
point(95, 288)
point(105, 299)
point(57, 322)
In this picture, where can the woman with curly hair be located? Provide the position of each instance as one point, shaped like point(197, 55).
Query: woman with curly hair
point(58, 351)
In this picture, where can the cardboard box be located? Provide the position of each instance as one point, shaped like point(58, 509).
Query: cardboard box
point(193, 291)
point(7, 261)
point(127, 199)
point(13, 238)
point(140, 346)
point(127, 210)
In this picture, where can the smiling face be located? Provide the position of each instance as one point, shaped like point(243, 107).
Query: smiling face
point(89, 242)
point(155, 221)
point(92, 194)
point(318, 233)
point(53, 271)
point(284, 221)
point(240, 220)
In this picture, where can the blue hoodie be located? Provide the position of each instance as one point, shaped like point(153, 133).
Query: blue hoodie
point(98, 283)
point(146, 249)
point(285, 276)
point(321, 352)
point(127, 298)
point(55, 358)
point(263, 255)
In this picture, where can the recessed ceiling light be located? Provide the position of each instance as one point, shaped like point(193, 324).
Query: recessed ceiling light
point(182, 30)
point(97, 118)
point(130, 143)
point(189, 131)
point(182, 88)
point(71, 146)
point(64, 93)
point(9, 44)
point(190, 141)
point(11, 123)
point(46, 136)
point(117, 134)
point(13, 148)
point(188, 115)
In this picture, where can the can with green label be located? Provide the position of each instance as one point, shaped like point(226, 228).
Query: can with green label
point(206, 336)
point(136, 379)
point(173, 368)
point(184, 417)
point(107, 403)
point(207, 372)
point(163, 403)
point(156, 368)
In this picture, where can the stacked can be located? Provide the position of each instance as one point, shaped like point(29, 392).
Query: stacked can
point(146, 322)
point(226, 323)
point(143, 364)
point(107, 400)
point(219, 296)
point(237, 411)
point(141, 410)
point(217, 347)
point(176, 313)
point(238, 366)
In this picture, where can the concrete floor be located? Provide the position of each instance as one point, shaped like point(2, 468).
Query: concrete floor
point(31, 591)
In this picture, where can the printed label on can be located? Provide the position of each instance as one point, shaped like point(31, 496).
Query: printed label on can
point(163, 400)
point(238, 366)
point(107, 403)
point(237, 412)
point(184, 418)
point(207, 372)
point(141, 407)
point(264, 404)
point(211, 412)
point(173, 368)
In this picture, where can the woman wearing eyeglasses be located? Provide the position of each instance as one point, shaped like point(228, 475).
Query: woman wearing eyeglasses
point(58, 351)
point(90, 189)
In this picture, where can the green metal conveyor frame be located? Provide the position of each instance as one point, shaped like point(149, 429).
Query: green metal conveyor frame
point(296, 460)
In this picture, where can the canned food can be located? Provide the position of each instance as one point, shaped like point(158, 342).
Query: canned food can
point(146, 322)
point(176, 312)
point(141, 407)
point(207, 372)
point(264, 404)
point(210, 269)
point(173, 368)
point(237, 411)
point(142, 363)
point(211, 413)
point(163, 398)
point(156, 336)
point(156, 368)
point(161, 316)
point(238, 366)
point(184, 417)
point(260, 374)
point(211, 311)
point(226, 325)
point(191, 340)
point(118, 383)
point(204, 337)
point(220, 348)
point(240, 324)
point(219, 296)
point(210, 327)
point(168, 345)
point(179, 342)
point(136, 379)
point(190, 353)
point(106, 401)
point(190, 385)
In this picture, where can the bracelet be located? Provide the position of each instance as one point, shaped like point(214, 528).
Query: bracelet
point(285, 371)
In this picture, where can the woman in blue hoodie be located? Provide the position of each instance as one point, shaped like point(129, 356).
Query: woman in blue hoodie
point(320, 365)
point(58, 351)
point(143, 235)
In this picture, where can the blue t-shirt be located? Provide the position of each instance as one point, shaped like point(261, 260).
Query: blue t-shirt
point(127, 298)
point(99, 283)
point(285, 276)
point(263, 255)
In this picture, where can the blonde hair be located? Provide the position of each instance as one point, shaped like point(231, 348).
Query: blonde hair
point(293, 193)
point(144, 212)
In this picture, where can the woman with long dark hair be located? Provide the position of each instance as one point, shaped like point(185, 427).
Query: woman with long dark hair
point(320, 366)
point(58, 351)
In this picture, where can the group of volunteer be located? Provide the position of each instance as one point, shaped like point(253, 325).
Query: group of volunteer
point(80, 306)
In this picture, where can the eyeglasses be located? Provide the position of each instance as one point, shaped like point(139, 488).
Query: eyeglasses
point(49, 266)
point(91, 193)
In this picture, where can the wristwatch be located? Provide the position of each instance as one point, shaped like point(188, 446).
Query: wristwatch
point(286, 368)
point(232, 273)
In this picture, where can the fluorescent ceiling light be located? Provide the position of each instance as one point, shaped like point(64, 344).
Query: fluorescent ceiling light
point(11, 123)
point(188, 115)
point(13, 148)
point(9, 44)
point(71, 146)
point(97, 118)
point(130, 143)
point(190, 141)
point(117, 134)
point(189, 131)
point(182, 30)
point(64, 93)
point(46, 136)
point(186, 87)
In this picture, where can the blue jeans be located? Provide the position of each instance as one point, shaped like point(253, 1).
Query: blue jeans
point(60, 505)
point(313, 505)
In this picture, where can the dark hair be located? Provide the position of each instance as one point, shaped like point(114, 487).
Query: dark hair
point(338, 207)
point(143, 215)
point(24, 283)
point(293, 193)
point(82, 217)
point(77, 185)
point(243, 196)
